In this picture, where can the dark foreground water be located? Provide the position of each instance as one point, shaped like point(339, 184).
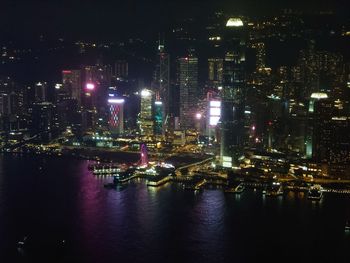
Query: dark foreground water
point(53, 199)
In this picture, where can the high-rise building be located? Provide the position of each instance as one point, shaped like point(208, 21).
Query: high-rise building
point(164, 88)
point(260, 55)
point(101, 77)
point(233, 92)
point(116, 114)
point(188, 78)
point(314, 121)
point(158, 118)
point(121, 69)
point(215, 72)
point(146, 114)
point(71, 86)
point(41, 92)
point(213, 116)
point(42, 117)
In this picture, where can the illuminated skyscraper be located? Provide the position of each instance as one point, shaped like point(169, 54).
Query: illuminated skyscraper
point(232, 93)
point(188, 76)
point(101, 77)
point(116, 114)
point(146, 114)
point(213, 116)
point(158, 118)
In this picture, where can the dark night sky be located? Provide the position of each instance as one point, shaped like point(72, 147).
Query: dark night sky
point(24, 19)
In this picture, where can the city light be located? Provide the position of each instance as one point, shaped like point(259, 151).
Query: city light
point(215, 103)
point(90, 86)
point(146, 93)
point(116, 101)
point(198, 116)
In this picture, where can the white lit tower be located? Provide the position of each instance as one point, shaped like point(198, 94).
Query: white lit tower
point(232, 93)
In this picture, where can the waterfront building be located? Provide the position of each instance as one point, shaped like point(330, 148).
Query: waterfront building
point(116, 114)
point(163, 88)
point(158, 118)
point(42, 117)
point(233, 92)
point(188, 79)
point(146, 114)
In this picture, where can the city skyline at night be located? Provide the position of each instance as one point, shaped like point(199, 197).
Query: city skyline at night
point(174, 131)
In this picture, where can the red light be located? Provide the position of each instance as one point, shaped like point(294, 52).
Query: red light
point(270, 123)
point(66, 71)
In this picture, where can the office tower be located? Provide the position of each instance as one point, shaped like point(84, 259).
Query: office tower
point(188, 78)
point(146, 114)
point(232, 93)
point(163, 86)
point(89, 112)
point(339, 153)
point(215, 72)
point(71, 86)
point(101, 77)
point(11, 105)
point(116, 114)
point(42, 117)
point(260, 55)
point(213, 116)
point(313, 123)
point(318, 70)
point(121, 69)
point(158, 118)
point(40, 89)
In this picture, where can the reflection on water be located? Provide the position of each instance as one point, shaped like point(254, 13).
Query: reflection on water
point(137, 223)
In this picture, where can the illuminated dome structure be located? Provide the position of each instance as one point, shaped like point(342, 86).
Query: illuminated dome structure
point(234, 22)
point(319, 95)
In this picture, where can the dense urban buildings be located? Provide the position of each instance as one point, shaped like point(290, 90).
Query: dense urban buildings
point(222, 87)
point(174, 131)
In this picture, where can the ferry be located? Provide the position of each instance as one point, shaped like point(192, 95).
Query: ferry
point(236, 190)
point(275, 189)
point(315, 192)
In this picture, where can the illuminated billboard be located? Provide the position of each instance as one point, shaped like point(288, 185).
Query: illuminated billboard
point(214, 112)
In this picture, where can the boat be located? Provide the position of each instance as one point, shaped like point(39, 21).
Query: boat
point(315, 192)
point(275, 189)
point(236, 190)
